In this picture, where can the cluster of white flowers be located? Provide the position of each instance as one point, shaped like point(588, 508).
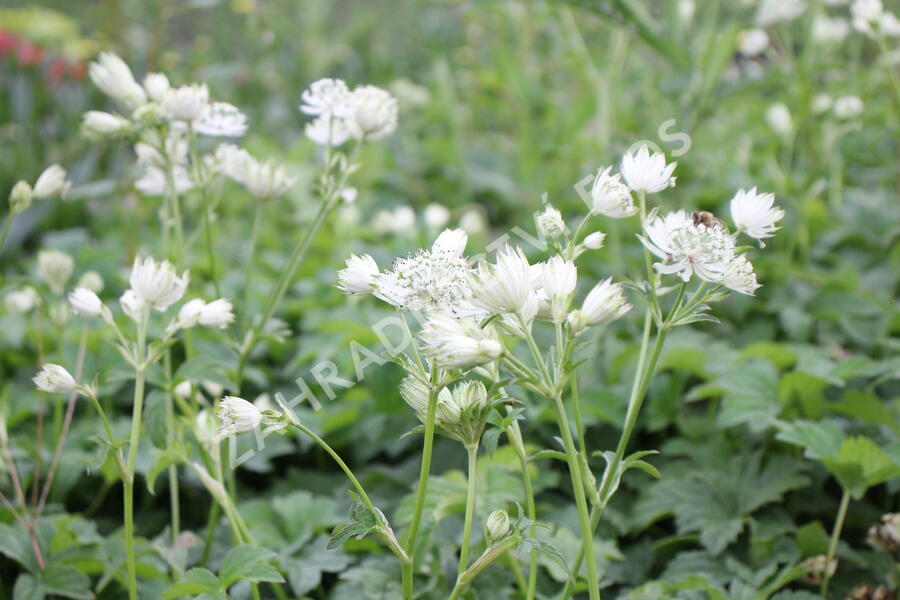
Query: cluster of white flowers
point(643, 172)
point(367, 113)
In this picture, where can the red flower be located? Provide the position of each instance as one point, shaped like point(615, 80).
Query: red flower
point(29, 54)
point(8, 42)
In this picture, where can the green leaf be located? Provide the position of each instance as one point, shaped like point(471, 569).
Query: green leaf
point(305, 571)
point(163, 459)
point(248, 562)
point(361, 523)
point(155, 418)
point(15, 544)
point(28, 588)
point(812, 539)
point(749, 395)
point(66, 581)
point(819, 439)
point(196, 581)
point(860, 464)
point(547, 549)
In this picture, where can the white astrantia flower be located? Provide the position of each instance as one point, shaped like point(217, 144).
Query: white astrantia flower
point(778, 116)
point(647, 173)
point(218, 314)
point(688, 247)
point(133, 306)
point(186, 103)
point(54, 269)
point(52, 182)
point(153, 181)
point(821, 103)
point(436, 215)
point(359, 276)
point(157, 86)
point(559, 277)
point(473, 222)
point(189, 315)
point(373, 113)
point(611, 197)
point(266, 180)
point(739, 276)
point(889, 25)
point(85, 302)
point(752, 42)
point(221, 119)
point(92, 281)
point(237, 416)
point(775, 11)
point(176, 149)
point(604, 303)
point(22, 301)
point(505, 286)
point(157, 283)
point(827, 29)
point(594, 241)
point(848, 107)
point(326, 97)
point(430, 280)
point(457, 343)
point(232, 161)
point(54, 379)
point(321, 129)
point(755, 214)
point(550, 223)
point(98, 125)
point(114, 78)
point(866, 12)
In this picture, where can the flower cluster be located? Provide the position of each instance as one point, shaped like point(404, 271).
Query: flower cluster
point(367, 113)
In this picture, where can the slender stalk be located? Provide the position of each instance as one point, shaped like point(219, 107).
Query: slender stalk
point(471, 484)
point(67, 422)
point(135, 439)
point(427, 447)
point(835, 537)
point(484, 561)
point(7, 223)
point(584, 520)
point(530, 510)
point(169, 409)
point(250, 265)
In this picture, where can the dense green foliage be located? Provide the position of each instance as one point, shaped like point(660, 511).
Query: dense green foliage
point(761, 419)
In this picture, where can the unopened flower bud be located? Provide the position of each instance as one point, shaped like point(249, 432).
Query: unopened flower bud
point(237, 416)
point(92, 281)
point(52, 182)
point(85, 302)
point(20, 197)
point(595, 240)
point(550, 223)
point(497, 526)
point(97, 125)
point(54, 379)
point(183, 389)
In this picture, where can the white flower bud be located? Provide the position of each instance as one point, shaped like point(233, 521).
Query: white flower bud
point(373, 113)
point(436, 215)
point(157, 86)
point(157, 284)
point(550, 223)
point(647, 173)
point(497, 526)
point(189, 315)
point(85, 302)
point(752, 42)
point(92, 281)
point(52, 182)
point(359, 276)
point(237, 416)
point(217, 313)
point(505, 286)
point(183, 389)
point(54, 379)
point(114, 79)
point(22, 301)
point(559, 278)
point(594, 241)
point(98, 125)
point(20, 197)
point(603, 304)
point(458, 344)
point(779, 119)
point(611, 197)
point(451, 241)
point(848, 107)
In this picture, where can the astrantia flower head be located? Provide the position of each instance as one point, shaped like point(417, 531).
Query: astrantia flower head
point(133, 306)
point(52, 182)
point(430, 280)
point(611, 197)
point(505, 286)
point(436, 215)
point(237, 416)
point(153, 182)
point(594, 241)
point(739, 276)
point(217, 314)
point(755, 214)
point(848, 107)
point(157, 284)
point(54, 269)
point(359, 276)
point(54, 379)
point(20, 197)
point(326, 97)
point(99, 125)
point(22, 301)
point(775, 11)
point(157, 86)
point(186, 103)
point(85, 302)
point(323, 129)
point(221, 119)
point(497, 526)
point(114, 78)
point(263, 180)
point(558, 280)
point(753, 42)
point(373, 113)
point(647, 173)
point(550, 223)
point(688, 247)
point(604, 303)
point(457, 343)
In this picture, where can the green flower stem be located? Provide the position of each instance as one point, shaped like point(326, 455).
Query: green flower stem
point(584, 520)
point(131, 466)
point(250, 265)
point(471, 484)
point(530, 510)
point(489, 556)
point(427, 447)
point(576, 412)
point(835, 537)
point(7, 223)
point(517, 572)
point(120, 460)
